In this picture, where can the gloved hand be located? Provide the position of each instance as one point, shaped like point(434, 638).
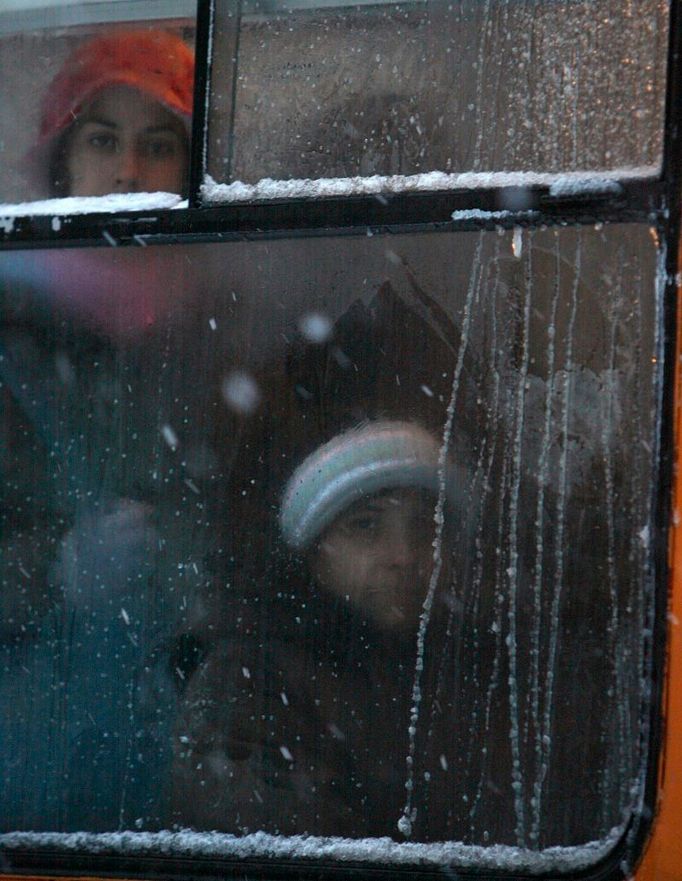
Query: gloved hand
point(107, 554)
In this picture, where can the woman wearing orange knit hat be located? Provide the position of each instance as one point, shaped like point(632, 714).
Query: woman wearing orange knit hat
point(116, 118)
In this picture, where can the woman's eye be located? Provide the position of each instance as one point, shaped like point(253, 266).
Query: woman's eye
point(160, 149)
point(102, 141)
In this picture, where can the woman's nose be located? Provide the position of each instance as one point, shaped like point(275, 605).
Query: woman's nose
point(128, 170)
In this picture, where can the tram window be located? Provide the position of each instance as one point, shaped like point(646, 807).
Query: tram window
point(305, 91)
point(330, 536)
point(97, 100)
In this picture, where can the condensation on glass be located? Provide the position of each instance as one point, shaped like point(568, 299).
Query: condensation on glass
point(306, 90)
point(97, 98)
point(345, 537)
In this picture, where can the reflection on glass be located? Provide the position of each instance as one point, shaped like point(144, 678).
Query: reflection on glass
point(114, 119)
point(306, 91)
point(331, 536)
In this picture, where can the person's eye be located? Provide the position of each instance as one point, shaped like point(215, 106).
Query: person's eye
point(363, 524)
point(161, 148)
point(103, 141)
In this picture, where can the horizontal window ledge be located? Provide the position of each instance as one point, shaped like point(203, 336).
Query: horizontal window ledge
point(142, 223)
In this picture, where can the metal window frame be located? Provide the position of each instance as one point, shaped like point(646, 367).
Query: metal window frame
point(631, 201)
point(656, 202)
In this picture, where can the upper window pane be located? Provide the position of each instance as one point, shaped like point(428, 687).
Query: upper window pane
point(316, 90)
point(97, 101)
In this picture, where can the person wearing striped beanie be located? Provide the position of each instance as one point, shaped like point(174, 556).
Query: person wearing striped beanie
point(363, 511)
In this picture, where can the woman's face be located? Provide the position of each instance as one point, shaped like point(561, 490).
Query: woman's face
point(379, 555)
point(126, 142)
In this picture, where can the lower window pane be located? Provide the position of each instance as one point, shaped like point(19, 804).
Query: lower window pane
point(346, 537)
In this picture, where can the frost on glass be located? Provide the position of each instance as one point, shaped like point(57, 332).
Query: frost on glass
point(332, 537)
point(302, 92)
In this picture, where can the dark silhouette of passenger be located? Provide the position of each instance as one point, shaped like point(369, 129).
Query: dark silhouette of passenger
point(91, 582)
point(298, 717)
point(297, 721)
point(356, 671)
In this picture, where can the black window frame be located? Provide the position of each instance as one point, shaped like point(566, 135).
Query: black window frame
point(656, 202)
point(631, 200)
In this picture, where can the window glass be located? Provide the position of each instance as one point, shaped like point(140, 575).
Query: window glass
point(96, 101)
point(305, 90)
point(338, 537)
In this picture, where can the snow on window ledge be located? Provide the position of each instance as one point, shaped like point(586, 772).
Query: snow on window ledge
point(567, 183)
point(110, 204)
point(259, 844)
point(478, 214)
point(212, 193)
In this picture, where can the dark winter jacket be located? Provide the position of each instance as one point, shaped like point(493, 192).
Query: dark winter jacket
point(299, 717)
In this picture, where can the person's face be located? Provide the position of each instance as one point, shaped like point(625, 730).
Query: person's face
point(126, 142)
point(379, 554)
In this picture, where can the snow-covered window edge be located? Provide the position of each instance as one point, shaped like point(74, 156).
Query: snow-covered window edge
point(382, 851)
point(574, 183)
point(567, 184)
point(72, 205)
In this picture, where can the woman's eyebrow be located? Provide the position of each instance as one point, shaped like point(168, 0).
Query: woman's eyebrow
point(99, 120)
point(159, 129)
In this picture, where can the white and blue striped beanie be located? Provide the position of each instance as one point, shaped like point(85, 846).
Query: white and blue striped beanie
point(362, 461)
